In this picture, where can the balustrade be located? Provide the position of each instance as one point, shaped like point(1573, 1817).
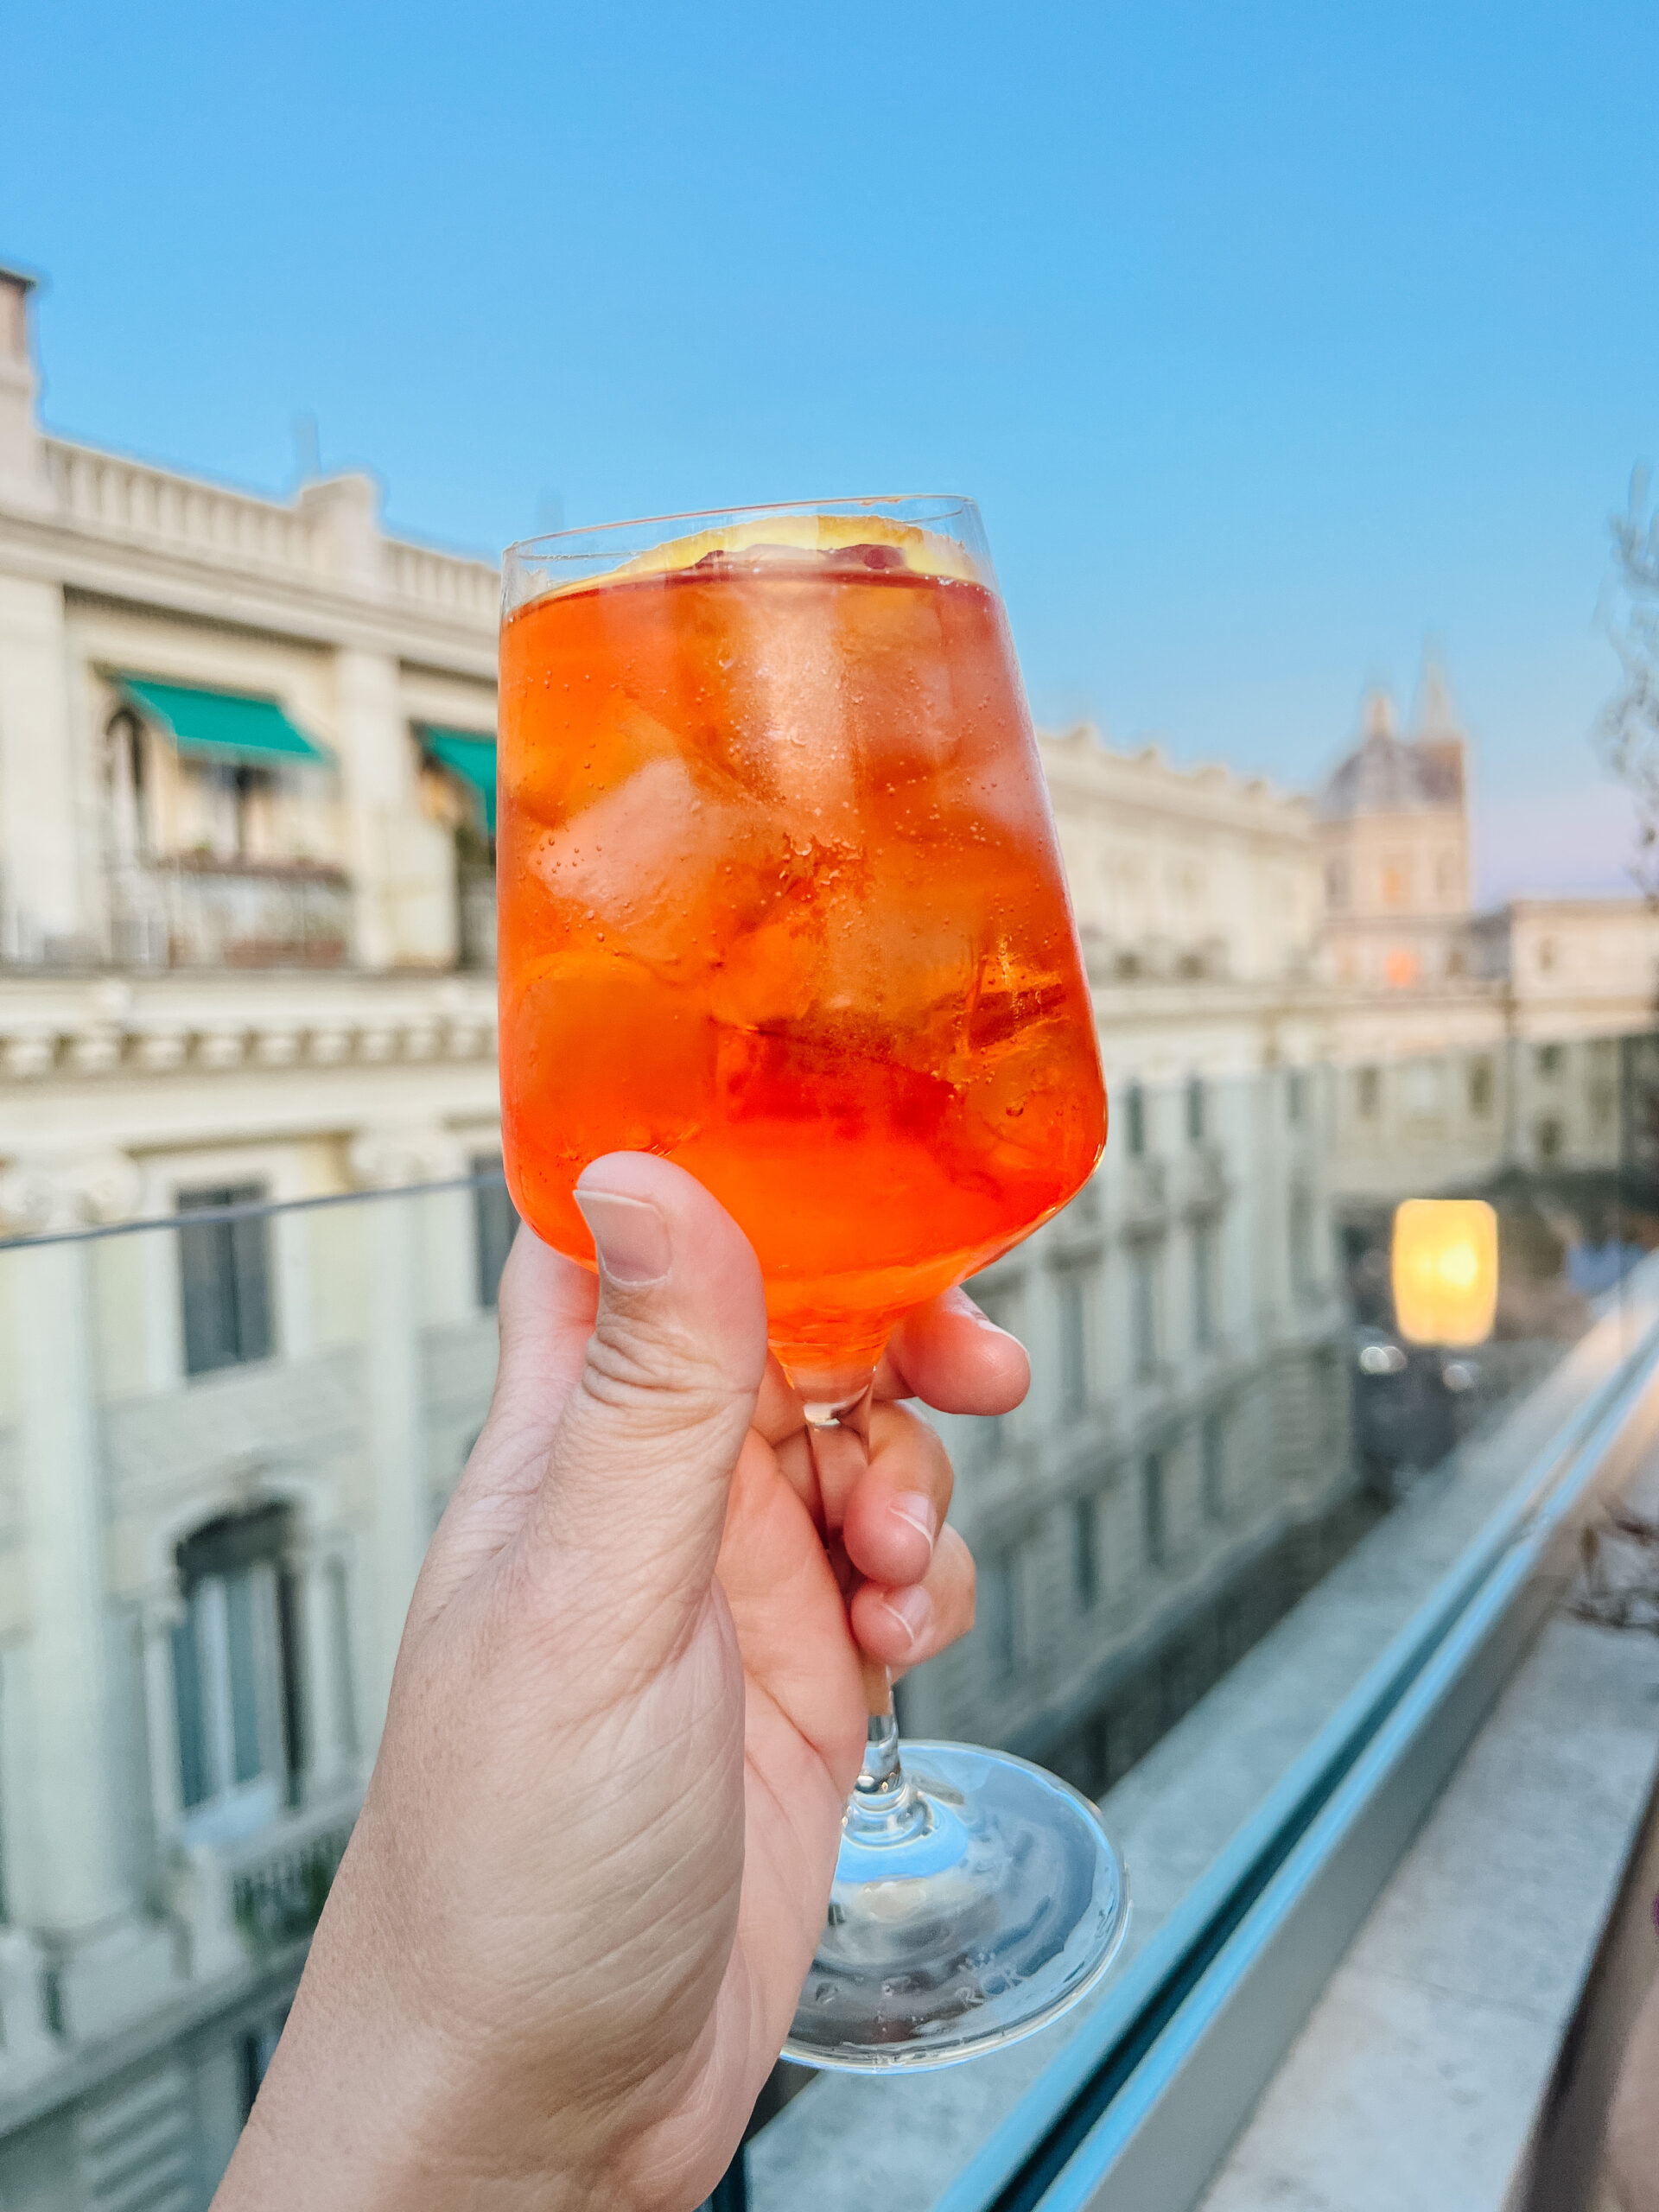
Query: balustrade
point(145, 504)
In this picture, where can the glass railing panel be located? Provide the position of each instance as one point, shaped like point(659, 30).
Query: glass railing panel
point(1249, 1454)
point(226, 1435)
point(226, 1438)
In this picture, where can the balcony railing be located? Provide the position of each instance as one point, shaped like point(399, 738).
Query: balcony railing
point(200, 911)
point(153, 508)
point(279, 1877)
point(240, 1901)
point(129, 500)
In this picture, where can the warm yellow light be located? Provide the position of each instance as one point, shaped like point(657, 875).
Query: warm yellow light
point(1445, 1270)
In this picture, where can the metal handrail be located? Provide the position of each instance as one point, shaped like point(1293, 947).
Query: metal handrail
point(1083, 2115)
point(251, 1209)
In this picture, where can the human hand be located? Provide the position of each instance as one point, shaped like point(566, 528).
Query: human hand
point(566, 1943)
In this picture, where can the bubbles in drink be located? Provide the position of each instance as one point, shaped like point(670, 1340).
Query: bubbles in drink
point(780, 900)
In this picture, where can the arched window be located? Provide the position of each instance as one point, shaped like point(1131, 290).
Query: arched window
point(235, 1676)
point(126, 782)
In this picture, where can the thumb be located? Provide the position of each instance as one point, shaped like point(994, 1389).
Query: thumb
point(635, 1491)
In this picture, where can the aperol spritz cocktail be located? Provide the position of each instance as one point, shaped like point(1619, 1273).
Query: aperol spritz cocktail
point(780, 900)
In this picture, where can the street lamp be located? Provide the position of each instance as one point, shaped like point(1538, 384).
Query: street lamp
point(1444, 1271)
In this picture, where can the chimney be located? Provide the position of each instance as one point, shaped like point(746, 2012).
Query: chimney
point(22, 477)
point(345, 512)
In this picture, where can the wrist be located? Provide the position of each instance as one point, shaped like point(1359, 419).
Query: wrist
point(367, 2108)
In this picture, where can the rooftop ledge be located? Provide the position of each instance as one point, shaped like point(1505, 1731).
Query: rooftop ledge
point(1436, 2070)
point(1421, 2061)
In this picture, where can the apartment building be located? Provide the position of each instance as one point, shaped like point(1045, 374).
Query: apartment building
point(246, 1007)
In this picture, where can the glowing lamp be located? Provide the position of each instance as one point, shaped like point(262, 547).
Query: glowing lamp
point(1445, 1270)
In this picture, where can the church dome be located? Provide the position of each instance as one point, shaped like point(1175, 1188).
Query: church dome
point(1391, 774)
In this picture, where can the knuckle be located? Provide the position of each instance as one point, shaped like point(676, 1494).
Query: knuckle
point(659, 1379)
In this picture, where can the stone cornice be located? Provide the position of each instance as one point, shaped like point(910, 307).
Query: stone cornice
point(179, 1023)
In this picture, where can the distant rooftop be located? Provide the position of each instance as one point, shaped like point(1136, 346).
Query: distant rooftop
point(1391, 774)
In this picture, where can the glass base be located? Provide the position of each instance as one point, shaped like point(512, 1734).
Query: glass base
point(975, 1899)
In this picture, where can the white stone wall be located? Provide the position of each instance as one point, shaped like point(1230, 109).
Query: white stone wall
point(1183, 872)
point(1271, 1374)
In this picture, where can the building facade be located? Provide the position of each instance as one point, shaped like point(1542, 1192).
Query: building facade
point(246, 810)
point(1392, 840)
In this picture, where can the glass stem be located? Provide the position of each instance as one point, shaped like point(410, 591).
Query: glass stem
point(884, 1808)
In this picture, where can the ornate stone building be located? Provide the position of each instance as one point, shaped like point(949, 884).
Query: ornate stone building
point(1392, 839)
point(246, 803)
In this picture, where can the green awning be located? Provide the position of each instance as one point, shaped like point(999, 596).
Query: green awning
point(221, 725)
point(466, 753)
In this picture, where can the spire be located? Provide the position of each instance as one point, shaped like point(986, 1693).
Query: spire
point(1436, 714)
point(1376, 716)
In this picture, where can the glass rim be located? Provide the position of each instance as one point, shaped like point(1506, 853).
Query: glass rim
point(948, 503)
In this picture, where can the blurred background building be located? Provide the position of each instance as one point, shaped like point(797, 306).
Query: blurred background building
point(246, 820)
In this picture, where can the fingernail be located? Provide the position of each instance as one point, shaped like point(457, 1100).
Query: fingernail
point(630, 1236)
point(912, 1609)
point(916, 1512)
point(981, 1319)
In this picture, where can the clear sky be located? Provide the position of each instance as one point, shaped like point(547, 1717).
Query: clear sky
point(1273, 339)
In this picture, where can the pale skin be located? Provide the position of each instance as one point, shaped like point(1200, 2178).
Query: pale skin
point(566, 1943)
point(1633, 2133)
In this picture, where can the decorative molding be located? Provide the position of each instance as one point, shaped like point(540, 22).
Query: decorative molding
point(328, 540)
point(396, 1156)
point(167, 1026)
point(40, 1193)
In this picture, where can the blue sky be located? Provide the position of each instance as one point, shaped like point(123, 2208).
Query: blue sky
point(1272, 339)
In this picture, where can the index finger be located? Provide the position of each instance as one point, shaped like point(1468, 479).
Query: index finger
point(955, 1358)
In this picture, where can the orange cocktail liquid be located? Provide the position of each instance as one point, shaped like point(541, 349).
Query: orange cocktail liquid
point(780, 900)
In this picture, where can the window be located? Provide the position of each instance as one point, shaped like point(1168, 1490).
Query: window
point(224, 1277)
point(1143, 1309)
point(1303, 1284)
point(1203, 1284)
point(1549, 1138)
point(495, 1222)
point(1548, 1061)
point(1401, 968)
point(233, 1676)
point(1134, 1110)
point(1195, 1109)
point(1000, 1616)
point(1446, 877)
point(1424, 1087)
point(993, 1433)
point(1367, 1092)
point(1153, 1527)
point(1296, 1096)
point(1336, 883)
point(258, 2048)
point(237, 803)
point(1395, 877)
point(1074, 1377)
point(1085, 1552)
point(1480, 1088)
point(124, 762)
point(1213, 1468)
point(1546, 955)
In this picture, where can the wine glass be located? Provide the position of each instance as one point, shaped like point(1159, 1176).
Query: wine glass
point(780, 900)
